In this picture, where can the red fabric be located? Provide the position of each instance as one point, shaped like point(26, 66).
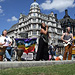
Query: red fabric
point(30, 49)
point(57, 58)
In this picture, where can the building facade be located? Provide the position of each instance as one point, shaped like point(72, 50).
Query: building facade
point(31, 24)
point(67, 21)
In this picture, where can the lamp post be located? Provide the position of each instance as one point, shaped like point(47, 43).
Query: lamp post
point(34, 0)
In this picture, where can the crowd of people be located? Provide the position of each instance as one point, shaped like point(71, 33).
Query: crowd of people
point(44, 51)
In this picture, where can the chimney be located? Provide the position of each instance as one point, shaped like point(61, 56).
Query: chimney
point(66, 12)
point(34, 0)
point(56, 17)
point(20, 15)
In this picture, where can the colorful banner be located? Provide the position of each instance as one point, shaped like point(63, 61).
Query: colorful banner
point(27, 44)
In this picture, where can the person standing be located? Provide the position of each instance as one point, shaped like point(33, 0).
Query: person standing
point(6, 41)
point(42, 53)
point(52, 50)
point(55, 50)
point(67, 37)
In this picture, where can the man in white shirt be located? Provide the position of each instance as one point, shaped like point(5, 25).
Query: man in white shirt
point(6, 41)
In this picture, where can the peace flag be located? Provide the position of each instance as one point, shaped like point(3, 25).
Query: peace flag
point(27, 44)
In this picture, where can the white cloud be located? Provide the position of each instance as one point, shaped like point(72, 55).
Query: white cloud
point(1, 11)
point(12, 19)
point(59, 5)
point(2, 0)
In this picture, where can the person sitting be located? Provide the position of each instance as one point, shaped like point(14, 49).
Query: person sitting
point(6, 41)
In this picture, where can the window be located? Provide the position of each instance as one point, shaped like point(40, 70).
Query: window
point(39, 26)
point(34, 33)
point(34, 14)
point(29, 33)
point(39, 15)
point(34, 26)
point(59, 31)
point(20, 29)
point(34, 20)
point(52, 29)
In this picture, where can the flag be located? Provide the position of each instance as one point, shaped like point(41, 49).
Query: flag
point(27, 44)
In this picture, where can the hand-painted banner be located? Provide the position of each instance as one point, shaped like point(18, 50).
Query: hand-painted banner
point(27, 44)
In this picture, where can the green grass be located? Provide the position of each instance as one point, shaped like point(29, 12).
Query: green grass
point(67, 69)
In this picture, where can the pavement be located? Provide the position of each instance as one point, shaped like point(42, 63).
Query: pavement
point(19, 64)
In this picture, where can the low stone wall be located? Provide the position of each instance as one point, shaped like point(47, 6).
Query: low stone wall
point(19, 64)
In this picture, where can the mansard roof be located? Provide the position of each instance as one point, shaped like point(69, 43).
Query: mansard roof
point(67, 19)
point(13, 27)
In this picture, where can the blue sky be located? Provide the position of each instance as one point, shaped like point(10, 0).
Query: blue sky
point(10, 10)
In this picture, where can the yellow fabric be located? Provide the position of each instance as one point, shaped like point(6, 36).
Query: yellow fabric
point(74, 37)
point(23, 46)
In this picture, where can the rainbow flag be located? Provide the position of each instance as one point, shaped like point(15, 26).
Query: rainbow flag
point(27, 44)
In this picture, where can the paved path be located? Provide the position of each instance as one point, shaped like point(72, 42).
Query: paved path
point(18, 64)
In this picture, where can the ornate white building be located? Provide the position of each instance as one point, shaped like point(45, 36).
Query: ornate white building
point(31, 24)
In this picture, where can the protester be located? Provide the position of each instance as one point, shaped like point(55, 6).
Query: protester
point(67, 38)
point(6, 41)
point(42, 53)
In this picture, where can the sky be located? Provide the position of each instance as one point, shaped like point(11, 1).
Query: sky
point(10, 10)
